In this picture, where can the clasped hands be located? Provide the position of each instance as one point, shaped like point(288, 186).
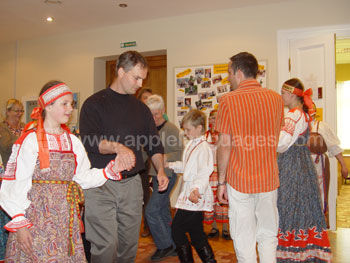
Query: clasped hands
point(125, 160)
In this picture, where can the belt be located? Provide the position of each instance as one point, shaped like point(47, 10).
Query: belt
point(75, 196)
point(124, 176)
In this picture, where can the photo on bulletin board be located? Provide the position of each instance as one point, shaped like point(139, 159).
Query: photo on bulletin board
point(29, 104)
point(73, 123)
point(201, 87)
point(196, 87)
point(262, 73)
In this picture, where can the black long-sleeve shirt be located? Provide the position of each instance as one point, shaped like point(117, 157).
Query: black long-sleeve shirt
point(120, 118)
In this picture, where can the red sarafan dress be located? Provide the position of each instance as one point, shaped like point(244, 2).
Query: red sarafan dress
point(37, 199)
point(220, 212)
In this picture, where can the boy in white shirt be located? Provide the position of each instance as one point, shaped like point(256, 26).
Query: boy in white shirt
point(196, 195)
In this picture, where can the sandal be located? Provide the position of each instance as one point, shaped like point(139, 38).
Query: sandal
point(214, 232)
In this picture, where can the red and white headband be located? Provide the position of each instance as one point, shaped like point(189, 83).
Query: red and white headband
point(292, 90)
point(53, 94)
point(307, 95)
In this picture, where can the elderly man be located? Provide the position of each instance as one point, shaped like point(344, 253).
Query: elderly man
point(158, 209)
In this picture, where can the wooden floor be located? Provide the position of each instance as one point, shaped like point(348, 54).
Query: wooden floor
point(340, 239)
point(223, 249)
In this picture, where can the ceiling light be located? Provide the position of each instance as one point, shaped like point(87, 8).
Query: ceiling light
point(49, 19)
point(123, 5)
point(53, 2)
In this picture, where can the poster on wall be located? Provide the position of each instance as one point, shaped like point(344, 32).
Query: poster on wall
point(29, 105)
point(201, 87)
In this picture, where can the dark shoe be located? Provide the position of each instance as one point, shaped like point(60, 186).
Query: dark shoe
point(145, 232)
point(185, 253)
point(214, 232)
point(206, 254)
point(160, 254)
point(226, 235)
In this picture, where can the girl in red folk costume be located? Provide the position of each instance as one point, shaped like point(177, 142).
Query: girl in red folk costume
point(303, 235)
point(40, 188)
point(220, 212)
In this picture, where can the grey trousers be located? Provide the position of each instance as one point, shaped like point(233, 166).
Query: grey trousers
point(112, 220)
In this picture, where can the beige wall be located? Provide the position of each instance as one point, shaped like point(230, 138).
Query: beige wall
point(189, 40)
point(7, 74)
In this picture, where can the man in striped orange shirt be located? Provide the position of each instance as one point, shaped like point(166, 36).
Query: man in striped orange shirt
point(249, 121)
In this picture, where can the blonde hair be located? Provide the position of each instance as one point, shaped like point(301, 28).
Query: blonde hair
point(195, 118)
point(9, 105)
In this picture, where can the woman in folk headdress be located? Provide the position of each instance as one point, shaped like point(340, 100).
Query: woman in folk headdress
point(302, 235)
point(41, 185)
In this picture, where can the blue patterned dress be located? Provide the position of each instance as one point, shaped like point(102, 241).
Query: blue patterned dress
point(4, 219)
point(303, 235)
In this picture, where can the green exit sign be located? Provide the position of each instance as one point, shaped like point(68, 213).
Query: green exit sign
point(128, 44)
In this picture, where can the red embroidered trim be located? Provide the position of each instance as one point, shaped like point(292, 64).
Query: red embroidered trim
point(108, 171)
point(11, 168)
point(104, 174)
point(13, 226)
point(17, 216)
point(303, 238)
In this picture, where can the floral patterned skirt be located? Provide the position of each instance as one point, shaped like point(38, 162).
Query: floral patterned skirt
point(49, 214)
point(220, 212)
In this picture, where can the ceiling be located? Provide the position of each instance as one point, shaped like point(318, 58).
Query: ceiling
point(25, 19)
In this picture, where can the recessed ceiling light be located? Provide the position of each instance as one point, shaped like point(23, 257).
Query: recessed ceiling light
point(49, 19)
point(53, 2)
point(123, 5)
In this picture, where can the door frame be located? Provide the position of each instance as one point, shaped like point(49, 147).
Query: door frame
point(284, 36)
point(283, 40)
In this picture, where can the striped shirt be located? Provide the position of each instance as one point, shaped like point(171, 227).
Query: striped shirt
point(253, 117)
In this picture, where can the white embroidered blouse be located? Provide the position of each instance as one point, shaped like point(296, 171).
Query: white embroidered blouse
point(330, 138)
point(295, 124)
point(17, 180)
point(197, 165)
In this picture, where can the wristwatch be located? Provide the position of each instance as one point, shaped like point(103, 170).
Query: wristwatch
point(223, 183)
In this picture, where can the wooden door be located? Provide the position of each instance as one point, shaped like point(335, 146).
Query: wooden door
point(156, 78)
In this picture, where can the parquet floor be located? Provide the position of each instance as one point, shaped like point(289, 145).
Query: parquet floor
point(343, 207)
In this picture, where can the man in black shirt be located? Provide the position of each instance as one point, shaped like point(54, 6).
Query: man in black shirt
point(112, 122)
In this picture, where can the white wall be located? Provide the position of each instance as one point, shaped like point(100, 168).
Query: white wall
point(189, 40)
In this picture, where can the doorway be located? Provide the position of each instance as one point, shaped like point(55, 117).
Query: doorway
point(156, 78)
point(286, 40)
point(343, 126)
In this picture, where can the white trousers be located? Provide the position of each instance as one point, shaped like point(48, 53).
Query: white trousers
point(253, 218)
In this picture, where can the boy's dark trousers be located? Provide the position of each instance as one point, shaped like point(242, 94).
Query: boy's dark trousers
point(191, 222)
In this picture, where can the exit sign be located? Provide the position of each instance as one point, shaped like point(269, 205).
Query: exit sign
point(128, 44)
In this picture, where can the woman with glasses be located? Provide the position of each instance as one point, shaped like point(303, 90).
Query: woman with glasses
point(10, 129)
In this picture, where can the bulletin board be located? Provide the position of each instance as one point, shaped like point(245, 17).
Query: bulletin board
point(201, 87)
